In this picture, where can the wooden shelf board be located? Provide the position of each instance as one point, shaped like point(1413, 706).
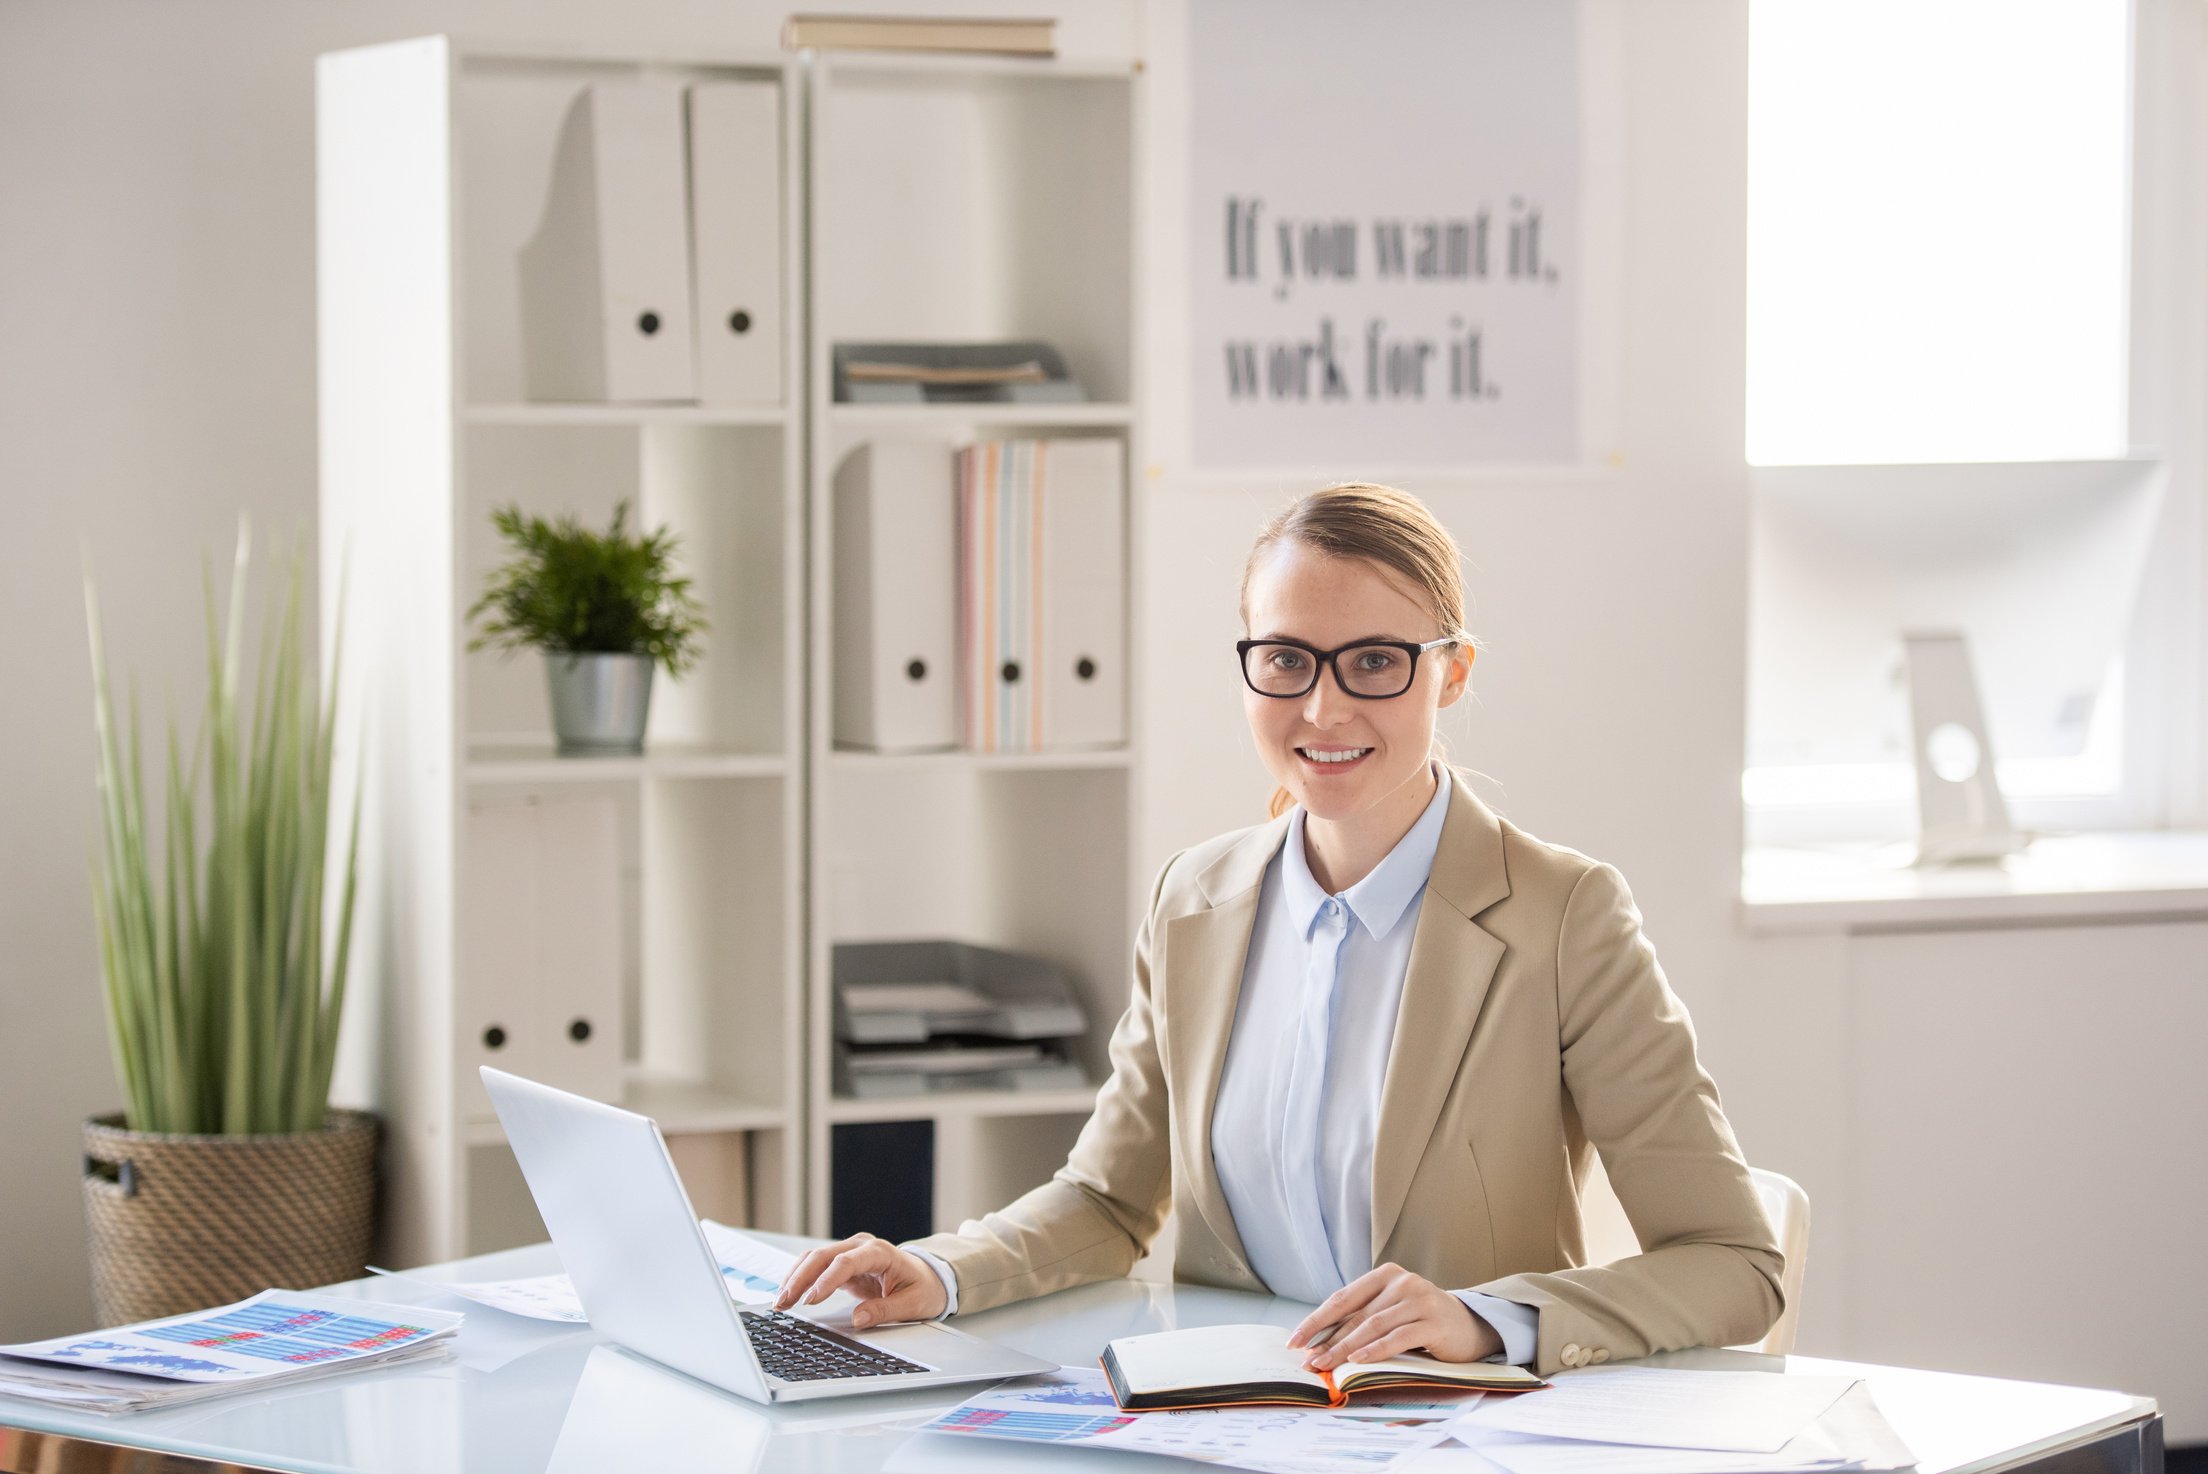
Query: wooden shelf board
point(537, 763)
point(681, 1107)
point(838, 63)
point(1105, 759)
point(969, 1104)
point(686, 1107)
point(496, 52)
point(918, 416)
point(773, 416)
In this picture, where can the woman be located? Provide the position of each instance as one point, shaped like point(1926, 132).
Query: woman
point(1372, 1043)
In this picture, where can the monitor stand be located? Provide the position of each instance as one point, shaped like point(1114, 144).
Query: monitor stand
point(1961, 816)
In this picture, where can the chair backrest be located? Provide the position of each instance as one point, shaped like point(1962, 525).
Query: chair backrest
point(1610, 1237)
point(1787, 1206)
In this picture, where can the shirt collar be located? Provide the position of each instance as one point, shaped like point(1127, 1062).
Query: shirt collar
point(1380, 899)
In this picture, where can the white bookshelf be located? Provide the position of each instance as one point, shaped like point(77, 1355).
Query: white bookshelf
point(432, 160)
point(966, 199)
point(923, 199)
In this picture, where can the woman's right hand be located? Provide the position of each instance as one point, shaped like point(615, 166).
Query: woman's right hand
point(890, 1283)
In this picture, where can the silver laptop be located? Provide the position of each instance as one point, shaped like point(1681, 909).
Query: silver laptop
point(625, 1231)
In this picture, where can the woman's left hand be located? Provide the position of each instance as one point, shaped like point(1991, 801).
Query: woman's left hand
point(1390, 1311)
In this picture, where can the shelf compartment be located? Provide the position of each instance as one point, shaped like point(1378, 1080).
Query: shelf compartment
point(720, 489)
point(716, 917)
point(508, 117)
point(958, 203)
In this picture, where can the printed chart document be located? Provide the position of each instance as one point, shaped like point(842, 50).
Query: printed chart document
point(276, 1338)
point(1074, 1406)
point(1661, 1407)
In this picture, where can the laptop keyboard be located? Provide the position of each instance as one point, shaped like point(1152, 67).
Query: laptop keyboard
point(797, 1350)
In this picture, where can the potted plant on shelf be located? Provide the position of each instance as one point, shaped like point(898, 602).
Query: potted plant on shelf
point(223, 943)
point(604, 609)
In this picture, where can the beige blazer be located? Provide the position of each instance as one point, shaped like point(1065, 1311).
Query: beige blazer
point(1535, 1024)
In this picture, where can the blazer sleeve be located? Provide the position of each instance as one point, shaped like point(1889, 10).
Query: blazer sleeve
point(1096, 1216)
point(1709, 1270)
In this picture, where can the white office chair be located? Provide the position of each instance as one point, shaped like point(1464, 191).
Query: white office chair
point(1610, 1237)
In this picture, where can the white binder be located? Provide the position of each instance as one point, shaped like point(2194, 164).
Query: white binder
point(736, 240)
point(1081, 616)
point(605, 281)
point(895, 608)
point(998, 597)
point(539, 986)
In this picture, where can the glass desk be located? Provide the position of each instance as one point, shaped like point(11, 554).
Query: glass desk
point(527, 1397)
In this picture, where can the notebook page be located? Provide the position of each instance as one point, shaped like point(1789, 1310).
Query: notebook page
point(1210, 1356)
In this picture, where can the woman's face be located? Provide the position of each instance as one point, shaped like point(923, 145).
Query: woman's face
point(1339, 756)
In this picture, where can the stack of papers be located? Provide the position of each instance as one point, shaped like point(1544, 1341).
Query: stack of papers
point(1605, 1420)
point(277, 1338)
point(1651, 1420)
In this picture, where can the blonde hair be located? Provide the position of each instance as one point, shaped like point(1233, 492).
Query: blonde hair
point(1390, 529)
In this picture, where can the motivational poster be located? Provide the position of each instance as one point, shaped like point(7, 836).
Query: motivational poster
point(1383, 224)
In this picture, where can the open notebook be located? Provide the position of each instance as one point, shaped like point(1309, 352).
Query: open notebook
point(1233, 1366)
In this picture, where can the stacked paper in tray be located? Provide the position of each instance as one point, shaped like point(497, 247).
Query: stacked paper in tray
point(1042, 603)
point(922, 1016)
point(275, 1339)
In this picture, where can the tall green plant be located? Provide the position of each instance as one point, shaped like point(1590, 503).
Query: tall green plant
point(221, 1008)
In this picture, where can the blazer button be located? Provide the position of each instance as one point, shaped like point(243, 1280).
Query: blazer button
point(1597, 1357)
point(1570, 1355)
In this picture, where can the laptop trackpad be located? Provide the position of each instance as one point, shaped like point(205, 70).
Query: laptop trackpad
point(932, 1345)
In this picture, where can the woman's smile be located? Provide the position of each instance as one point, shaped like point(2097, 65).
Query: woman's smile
point(1328, 760)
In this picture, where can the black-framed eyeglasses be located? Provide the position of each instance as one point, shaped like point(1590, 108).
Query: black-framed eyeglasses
point(1370, 670)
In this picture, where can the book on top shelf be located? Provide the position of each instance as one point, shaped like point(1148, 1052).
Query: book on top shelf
point(920, 33)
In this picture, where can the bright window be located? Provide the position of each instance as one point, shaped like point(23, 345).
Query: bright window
point(1938, 236)
point(1939, 289)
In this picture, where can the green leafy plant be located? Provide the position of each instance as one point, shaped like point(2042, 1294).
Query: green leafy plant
point(222, 1008)
point(580, 592)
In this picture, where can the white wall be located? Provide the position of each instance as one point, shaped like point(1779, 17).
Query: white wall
point(156, 365)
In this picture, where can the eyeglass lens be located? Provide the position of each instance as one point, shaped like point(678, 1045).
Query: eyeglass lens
point(1363, 670)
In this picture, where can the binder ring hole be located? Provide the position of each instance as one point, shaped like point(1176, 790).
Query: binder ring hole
point(494, 1037)
point(647, 323)
point(916, 670)
point(579, 1031)
point(1011, 670)
point(739, 321)
point(1085, 668)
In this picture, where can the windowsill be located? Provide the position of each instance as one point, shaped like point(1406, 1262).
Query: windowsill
point(2072, 877)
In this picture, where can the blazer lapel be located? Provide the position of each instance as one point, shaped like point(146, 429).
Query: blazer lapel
point(1453, 962)
point(1204, 956)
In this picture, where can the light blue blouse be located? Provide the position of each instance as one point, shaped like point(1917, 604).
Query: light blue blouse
point(1299, 1096)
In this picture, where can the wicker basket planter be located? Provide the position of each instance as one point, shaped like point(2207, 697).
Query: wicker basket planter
point(181, 1222)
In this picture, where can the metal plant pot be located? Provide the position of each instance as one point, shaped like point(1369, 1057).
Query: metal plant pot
point(180, 1222)
point(599, 702)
